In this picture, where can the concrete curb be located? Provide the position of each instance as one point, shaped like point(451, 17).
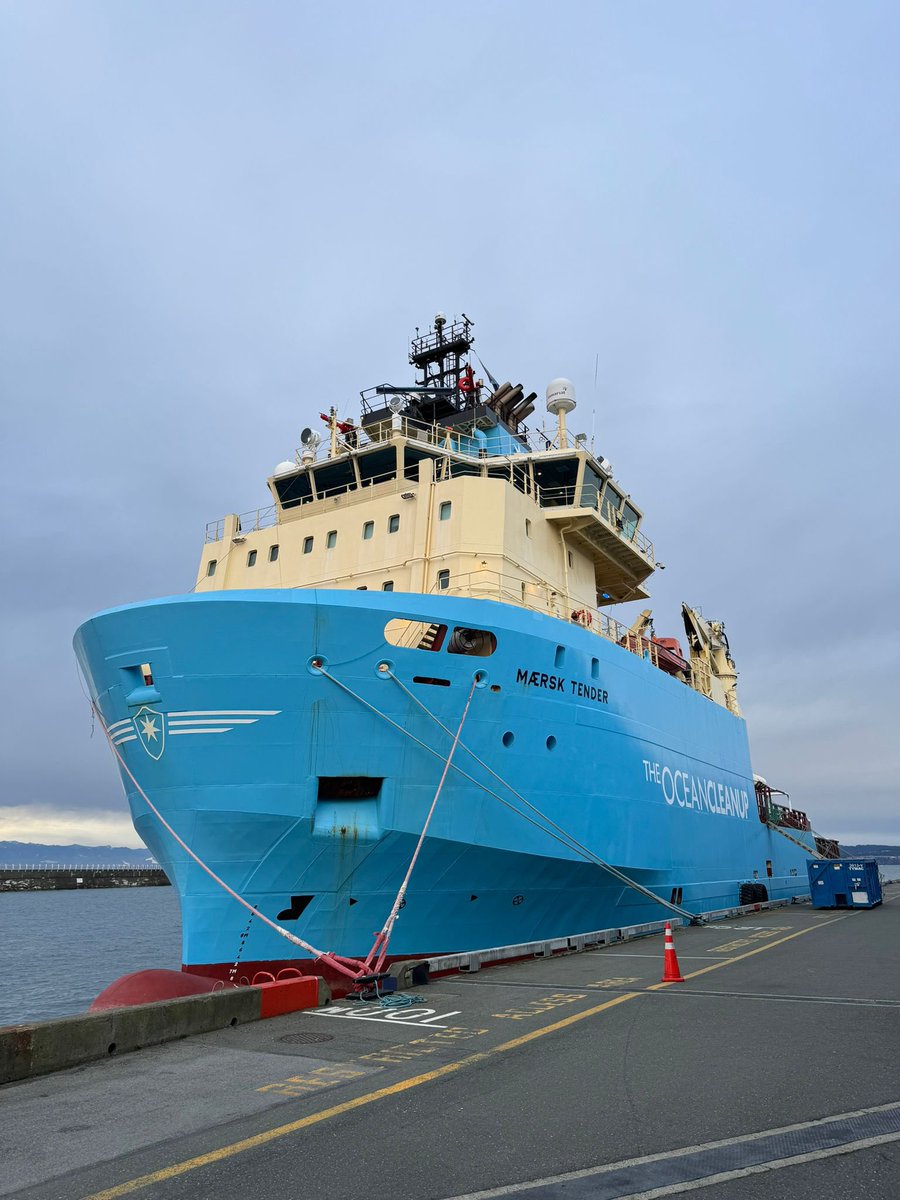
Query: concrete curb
point(47, 1046)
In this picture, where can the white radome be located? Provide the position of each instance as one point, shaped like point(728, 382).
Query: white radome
point(284, 467)
point(560, 396)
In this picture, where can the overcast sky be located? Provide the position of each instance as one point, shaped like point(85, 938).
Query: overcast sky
point(216, 219)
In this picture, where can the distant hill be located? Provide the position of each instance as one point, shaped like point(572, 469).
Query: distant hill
point(887, 855)
point(34, 854)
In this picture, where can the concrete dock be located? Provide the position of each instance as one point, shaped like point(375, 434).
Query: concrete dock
point(772, 1071)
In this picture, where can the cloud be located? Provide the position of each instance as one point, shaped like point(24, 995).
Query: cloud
point(65, 826)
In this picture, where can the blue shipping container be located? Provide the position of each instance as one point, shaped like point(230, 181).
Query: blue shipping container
point(844, 882)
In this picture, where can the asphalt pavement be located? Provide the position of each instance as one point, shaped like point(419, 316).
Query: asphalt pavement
point(771, 1071)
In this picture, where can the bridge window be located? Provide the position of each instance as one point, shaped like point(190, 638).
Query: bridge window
point(556, 480)
point(368, 530)
point(411, 459)
point(294, 489)
point(443, 580)
point(273, 552)
point(378, 466)
point(388, 585)
point(591, 487)
point(444, 510)
point(331, 539)
point(629, 521)
point(307, 545)
point(251, 558)
point(612, 502)
point(335, 478)
point(393, 523)
point(211, 567)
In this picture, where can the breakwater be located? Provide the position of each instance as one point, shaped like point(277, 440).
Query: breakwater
point(61, 879)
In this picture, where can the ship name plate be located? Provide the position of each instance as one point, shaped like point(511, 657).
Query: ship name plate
point(558, 683)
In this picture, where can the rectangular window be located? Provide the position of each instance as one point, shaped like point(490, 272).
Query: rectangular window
point(211, 567)
point(273, 553)
point(388, 585)
point(527, 527)
point(368, 530)
point(394, 523)
point(443, 580)
point(251, 559)
point(331, 539)
point(147, 675)
point(444, 510)
point(571, 558)
point(307, 545)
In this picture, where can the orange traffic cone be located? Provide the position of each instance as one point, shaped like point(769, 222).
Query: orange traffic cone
point(671, 969)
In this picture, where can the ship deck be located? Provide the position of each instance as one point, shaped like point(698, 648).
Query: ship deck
point(771, 1071)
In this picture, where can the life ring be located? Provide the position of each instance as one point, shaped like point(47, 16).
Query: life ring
point(467, 380)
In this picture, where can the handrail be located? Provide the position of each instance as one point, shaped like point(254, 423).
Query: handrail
point(539, 595)
point(564, 497)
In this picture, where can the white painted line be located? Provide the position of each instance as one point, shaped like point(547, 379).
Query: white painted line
point(120, 741)
point(212, 721)
point(672, 1189)
point(228, 712)
point(182, 732)
point(118, 725)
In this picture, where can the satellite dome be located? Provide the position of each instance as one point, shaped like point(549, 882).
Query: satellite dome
point(560, 396)
point(284, 467)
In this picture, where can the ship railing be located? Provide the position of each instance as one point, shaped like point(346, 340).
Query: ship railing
point(627, 530)
point(247, 522)
point(538, 595)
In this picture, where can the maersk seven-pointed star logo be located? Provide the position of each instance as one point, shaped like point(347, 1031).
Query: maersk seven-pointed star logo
point(151, 730)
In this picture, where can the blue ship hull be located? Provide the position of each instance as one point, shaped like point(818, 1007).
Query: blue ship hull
point(237, 730)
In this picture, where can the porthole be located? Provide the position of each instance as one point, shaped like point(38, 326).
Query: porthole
point(508, 738)
point(551, 742)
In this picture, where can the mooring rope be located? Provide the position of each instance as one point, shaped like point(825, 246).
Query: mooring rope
point(554, 831)
point(383, 937)
point(319, 955)
point(572, 841)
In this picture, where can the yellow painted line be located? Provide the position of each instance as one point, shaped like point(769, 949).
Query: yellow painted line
point(726, 962)
point(270, 1135)
point(395, 1089)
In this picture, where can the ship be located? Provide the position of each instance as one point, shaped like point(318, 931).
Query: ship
point(409, 659)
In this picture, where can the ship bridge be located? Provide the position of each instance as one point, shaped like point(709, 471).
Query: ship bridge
point(594, 517)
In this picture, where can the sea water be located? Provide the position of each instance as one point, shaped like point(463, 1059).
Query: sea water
point(58, 950)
